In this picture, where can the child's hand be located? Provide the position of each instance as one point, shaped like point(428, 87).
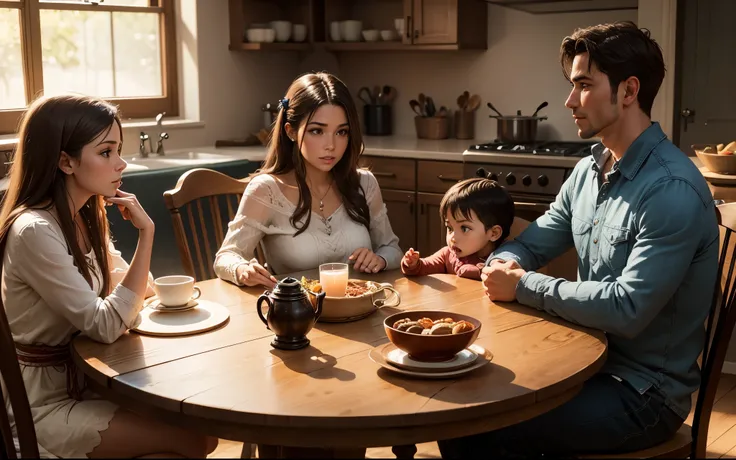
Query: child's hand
point(411, 258)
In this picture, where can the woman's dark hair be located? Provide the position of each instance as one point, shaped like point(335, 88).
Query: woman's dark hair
point(490, 202)
point(50, 126)
point(619, 50)
point(305, 95)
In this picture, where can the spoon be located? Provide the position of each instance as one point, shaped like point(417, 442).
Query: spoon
point(473, 103)
point(490, 106)
point(416, 107)
point(462, 101)
point(541, 106)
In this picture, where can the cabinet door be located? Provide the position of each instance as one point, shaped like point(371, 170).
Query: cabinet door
point(434, 22)
point(401, 207)
point(430, 225)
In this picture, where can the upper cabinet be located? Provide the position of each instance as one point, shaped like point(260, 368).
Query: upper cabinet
point(463, 24)
point(359, 25)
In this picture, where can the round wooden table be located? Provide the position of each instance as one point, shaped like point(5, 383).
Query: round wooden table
point(232, 384)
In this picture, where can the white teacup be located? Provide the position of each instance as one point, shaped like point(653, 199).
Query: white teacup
point(176, 290)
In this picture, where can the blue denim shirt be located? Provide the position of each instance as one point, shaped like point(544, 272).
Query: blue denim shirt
point(647, 242)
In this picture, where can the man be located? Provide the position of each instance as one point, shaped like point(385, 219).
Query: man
point(643, 223)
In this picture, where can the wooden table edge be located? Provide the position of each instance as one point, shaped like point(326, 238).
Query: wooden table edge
point(338, 438)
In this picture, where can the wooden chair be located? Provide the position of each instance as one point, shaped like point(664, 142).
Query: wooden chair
point(11, 375)
point(691, 440)
point(196, 205)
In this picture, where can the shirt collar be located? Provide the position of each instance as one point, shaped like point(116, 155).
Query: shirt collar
point(636, 154)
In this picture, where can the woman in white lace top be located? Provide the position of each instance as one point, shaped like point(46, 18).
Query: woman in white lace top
point(310, 204)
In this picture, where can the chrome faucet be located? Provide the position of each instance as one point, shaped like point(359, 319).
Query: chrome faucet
point(143, 137)
point(160, 143)
point(161, 135)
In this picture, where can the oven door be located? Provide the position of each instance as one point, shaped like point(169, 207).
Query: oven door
point(528, 210)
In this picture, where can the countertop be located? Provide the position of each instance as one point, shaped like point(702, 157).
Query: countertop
point(389, 146)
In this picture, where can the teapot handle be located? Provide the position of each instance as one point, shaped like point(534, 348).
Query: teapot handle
point(261, 299)
point(320, 299)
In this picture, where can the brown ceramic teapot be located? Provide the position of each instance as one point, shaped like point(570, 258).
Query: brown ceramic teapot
point(290, 314)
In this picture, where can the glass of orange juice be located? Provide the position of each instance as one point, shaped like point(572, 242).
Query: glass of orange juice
point(334, 279)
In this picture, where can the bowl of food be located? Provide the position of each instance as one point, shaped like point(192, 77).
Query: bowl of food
point(718, 158)
point(362, 298)
point(431, 335)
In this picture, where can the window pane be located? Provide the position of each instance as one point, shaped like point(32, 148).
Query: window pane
point(12, 83)
point(107, 2)
point(76, 52)
point(100, 53)
point(137, 51)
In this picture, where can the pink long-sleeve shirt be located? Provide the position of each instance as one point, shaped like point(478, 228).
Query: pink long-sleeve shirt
point(446, 261)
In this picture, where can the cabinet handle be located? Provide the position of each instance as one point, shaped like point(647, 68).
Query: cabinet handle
point(411, 208)
point(421, 209)
point(383, 174)
point(448, 179)
point(408, 27)
point(416, 34)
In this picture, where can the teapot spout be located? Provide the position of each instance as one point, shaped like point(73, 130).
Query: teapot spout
point(320, 299)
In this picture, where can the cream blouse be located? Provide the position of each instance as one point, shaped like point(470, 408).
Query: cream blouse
point(263, 217)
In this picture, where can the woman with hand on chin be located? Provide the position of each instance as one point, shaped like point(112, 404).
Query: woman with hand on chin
point(310, 204)
point(61, 276)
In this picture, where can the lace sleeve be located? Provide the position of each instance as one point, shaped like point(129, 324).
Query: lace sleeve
point(246, 230)
point(385, 242)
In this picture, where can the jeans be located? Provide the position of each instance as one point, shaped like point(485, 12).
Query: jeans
point(607, 415)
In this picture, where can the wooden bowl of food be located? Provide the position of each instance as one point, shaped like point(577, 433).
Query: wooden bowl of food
point(362, 299)
point(431, 335)
point(720, 158)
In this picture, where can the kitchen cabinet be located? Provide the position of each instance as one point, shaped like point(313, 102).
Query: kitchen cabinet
point(428, 24)
point(401, 206)
point(412, 191)
point(462, 23)
point(431, 226)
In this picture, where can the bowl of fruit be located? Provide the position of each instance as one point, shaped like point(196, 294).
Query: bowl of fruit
point(431, 335)
point(718, 158)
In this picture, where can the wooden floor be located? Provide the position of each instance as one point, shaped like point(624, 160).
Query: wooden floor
point(721, 434)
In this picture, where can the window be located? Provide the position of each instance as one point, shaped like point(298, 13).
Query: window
point(122, 50)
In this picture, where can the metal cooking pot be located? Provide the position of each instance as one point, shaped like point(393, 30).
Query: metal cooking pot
point(518, 129)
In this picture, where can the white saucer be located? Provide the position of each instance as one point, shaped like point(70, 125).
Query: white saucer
point(401, 359)
point(155, 304)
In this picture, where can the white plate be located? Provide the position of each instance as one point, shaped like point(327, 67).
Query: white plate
point(377, 355)
point(401, 359)
point(155, 304)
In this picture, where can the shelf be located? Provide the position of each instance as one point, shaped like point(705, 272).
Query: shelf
point(274, 46)
point(384, 46)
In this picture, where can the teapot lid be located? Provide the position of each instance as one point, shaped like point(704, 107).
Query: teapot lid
point(288, 286)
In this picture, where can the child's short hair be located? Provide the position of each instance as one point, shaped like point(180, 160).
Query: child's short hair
point(490, 202)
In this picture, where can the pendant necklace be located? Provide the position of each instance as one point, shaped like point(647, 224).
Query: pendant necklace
point(328, 227)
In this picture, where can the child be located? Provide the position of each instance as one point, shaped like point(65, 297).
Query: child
point(478, 214)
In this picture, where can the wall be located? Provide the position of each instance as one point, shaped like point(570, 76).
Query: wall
point(519, 70)
point(222, 89)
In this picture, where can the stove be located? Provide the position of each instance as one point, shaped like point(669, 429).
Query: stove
point(549, 148)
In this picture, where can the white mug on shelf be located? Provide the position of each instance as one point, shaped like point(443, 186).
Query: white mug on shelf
point(335, 34)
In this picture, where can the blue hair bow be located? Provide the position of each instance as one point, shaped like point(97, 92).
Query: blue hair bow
point(284, 104)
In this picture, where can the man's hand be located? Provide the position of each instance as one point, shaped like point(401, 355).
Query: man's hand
point(500, 279)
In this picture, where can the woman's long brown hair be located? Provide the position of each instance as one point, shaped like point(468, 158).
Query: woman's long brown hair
point(305, 95)
point(52, 125)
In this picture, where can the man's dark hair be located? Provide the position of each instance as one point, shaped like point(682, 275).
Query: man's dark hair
point(619, 50)
point(490, 202)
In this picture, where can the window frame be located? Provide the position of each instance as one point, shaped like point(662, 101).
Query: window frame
point(131, 108)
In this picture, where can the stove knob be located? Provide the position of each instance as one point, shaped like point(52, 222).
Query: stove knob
point(510, 179)
point(543, 180)
point(494, 177)
point(526, 180)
